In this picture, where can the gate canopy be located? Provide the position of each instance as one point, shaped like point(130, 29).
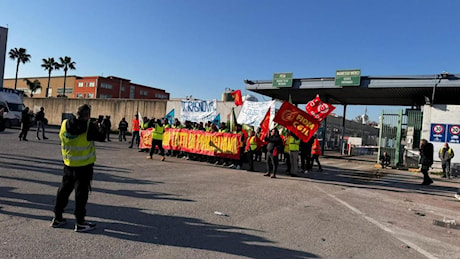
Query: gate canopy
point(381, 90)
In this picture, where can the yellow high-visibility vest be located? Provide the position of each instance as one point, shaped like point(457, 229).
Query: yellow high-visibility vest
point(157, 133)
point(252, 143)
point(293, 144)
point(76, 150)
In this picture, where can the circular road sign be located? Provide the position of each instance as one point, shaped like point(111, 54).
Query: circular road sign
point(455, 130)
point(438, 129)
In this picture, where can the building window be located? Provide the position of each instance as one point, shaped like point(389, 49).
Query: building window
point(105, 96)
point(162, 96)
point(60, 91)
point(79, 95)
point(80, 84)
point(144, 93)
point(90, 95)
point(107, 86)
point(91, 84)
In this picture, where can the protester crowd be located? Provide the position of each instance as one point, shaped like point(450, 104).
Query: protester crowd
point(277, 145)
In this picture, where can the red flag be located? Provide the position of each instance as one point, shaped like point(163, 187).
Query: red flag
point(297, 121)
point(318, 109)
point(236, 95)
point(265, 125)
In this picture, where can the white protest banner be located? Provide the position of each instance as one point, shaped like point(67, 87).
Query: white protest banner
point(252, 113)
point(198, 110)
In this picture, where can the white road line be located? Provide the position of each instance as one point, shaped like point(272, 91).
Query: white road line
point(378, 224)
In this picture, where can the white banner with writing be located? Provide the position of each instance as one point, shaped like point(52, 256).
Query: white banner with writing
point(198, 110)
point(252, 113)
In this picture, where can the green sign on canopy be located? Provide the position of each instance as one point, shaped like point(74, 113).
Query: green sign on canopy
point(281, 80)
point(348, 77)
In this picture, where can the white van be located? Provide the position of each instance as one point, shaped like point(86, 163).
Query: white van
point(13, 105)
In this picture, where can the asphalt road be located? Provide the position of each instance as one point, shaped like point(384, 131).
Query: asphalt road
point(153, 209)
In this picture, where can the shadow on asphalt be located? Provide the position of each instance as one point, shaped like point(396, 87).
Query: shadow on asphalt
point(373, 178)
point(140, 226)
point(135, 224)
point(369, 178)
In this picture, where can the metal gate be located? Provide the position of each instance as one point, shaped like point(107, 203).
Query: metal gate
point(396, 140)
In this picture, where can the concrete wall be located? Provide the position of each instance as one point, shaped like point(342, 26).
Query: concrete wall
point(115, 108)
point(442, 114)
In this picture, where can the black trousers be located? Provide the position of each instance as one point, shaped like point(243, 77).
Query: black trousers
point(136, 138)
point(250, 155)
point(160, 146)
point(24, 130)
point(426, 177)
point(78, 178)
point(41, 125)
point(305, 161)
point(315, 158)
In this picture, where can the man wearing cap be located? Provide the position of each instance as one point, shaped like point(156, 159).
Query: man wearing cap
point(77, 137)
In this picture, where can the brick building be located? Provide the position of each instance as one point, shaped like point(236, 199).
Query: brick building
point(90, 87)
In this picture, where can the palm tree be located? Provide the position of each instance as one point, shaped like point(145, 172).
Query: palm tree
point(33, 86)
point(67, 64)
point(50, 64)
point(22, 56)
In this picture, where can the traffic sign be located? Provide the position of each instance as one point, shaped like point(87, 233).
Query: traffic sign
point(438, 133)
point(453, 134)
point(282, 80)
point(348, 77)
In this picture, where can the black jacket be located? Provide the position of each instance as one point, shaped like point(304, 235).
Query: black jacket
point(96, 132)
point(274, 141)
point(426, 154)
point(123, 126)
point(40, 116)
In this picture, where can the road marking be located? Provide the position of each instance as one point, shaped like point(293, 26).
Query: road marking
point(378, 224)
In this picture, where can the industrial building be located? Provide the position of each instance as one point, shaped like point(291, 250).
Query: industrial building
point(89, 87)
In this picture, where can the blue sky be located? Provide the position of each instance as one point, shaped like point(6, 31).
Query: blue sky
point(201, 47)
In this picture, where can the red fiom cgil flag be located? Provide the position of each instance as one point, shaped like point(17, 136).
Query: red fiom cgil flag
point(297, 121)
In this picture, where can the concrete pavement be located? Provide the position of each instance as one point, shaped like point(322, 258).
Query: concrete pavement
point(153, 209)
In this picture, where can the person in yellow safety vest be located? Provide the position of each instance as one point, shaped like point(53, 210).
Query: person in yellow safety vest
point(294, 143)
point(286, 151)
point(223, 128)
point(251, 147)
point(446, 154)
point(315, 153)
point(77, 137)
point(157, 139)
